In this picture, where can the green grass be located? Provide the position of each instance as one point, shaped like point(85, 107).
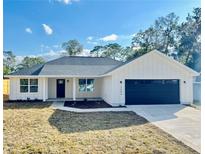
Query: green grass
point(37, 128)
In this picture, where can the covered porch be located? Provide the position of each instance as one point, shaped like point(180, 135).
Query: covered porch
point(72, 88)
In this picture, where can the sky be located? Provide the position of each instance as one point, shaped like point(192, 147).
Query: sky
point(39, 27)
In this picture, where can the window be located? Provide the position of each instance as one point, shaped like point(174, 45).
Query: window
point(90, 85)
point(86, 85)
point(25, 84)
point(33, 85)
point(82, 85)
point(171, 81)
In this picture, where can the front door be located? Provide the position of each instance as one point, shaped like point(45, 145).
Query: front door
point(60, 88)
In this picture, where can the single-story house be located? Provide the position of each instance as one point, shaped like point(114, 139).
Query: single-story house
point(153, 78)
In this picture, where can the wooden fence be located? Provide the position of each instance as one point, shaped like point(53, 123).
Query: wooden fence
point(6, 89)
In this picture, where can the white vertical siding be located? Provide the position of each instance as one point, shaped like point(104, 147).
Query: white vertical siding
point(69, 87)
point(106, 89)
point(151, 66)
point(16, 94)
point(51, 88)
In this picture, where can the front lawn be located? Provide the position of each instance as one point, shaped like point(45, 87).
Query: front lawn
point(37, 128)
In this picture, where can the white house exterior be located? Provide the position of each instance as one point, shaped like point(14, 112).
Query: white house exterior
point(116, 83)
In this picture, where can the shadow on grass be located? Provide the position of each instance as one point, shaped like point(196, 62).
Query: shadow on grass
point(26, 105)
point(70, 122)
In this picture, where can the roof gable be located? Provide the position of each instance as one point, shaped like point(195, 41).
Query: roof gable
point(184, 67)
point(156, 52)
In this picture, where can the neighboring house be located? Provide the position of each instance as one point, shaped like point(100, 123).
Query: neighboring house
point(153, 78)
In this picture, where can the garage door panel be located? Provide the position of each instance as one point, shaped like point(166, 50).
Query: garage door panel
point(151, 92)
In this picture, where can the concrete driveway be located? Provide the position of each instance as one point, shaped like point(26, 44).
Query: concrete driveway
point(180, 121)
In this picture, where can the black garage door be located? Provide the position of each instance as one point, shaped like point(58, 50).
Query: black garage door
point(151, 92)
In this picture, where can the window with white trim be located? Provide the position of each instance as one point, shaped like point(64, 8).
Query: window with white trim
point(33, 85)
point(28, 85)
point(86, 85)
point(23, 85)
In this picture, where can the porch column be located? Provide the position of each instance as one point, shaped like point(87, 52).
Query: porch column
point(45, 89)
point(74, 89)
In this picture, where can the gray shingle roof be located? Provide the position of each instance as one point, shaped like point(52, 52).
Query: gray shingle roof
point(72, 65)
point(35, 70)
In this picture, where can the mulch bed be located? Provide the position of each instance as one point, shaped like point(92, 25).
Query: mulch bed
point(88, 104)
point(25, 101)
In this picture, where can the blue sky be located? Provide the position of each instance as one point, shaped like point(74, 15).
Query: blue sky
point(38, 27)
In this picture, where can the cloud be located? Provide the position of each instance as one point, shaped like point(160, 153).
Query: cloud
point(89, 38)
point(48, 30)
point(66, 2)
point(28, 30)
point(122, 39)
point(86, 52)
point(112, 37)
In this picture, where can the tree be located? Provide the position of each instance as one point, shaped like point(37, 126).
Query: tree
point(73, 47)
point(144, 41)
point(28, 62)
point(112, 50)
point(161, 36)
point(97, 50)
point(190, 40)
point(127, 53)
point(166, 29)
point(9, 62)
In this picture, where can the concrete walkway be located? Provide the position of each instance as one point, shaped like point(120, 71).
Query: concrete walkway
point(180, 121)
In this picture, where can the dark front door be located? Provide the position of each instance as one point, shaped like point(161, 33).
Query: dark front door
point(60, 88)
point(151, 92)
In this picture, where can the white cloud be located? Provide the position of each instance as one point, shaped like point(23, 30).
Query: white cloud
point(112, 37)
point(86, 52)
point(48, 30)
point(28, 30)
point(66, 2)
point(90, 38)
